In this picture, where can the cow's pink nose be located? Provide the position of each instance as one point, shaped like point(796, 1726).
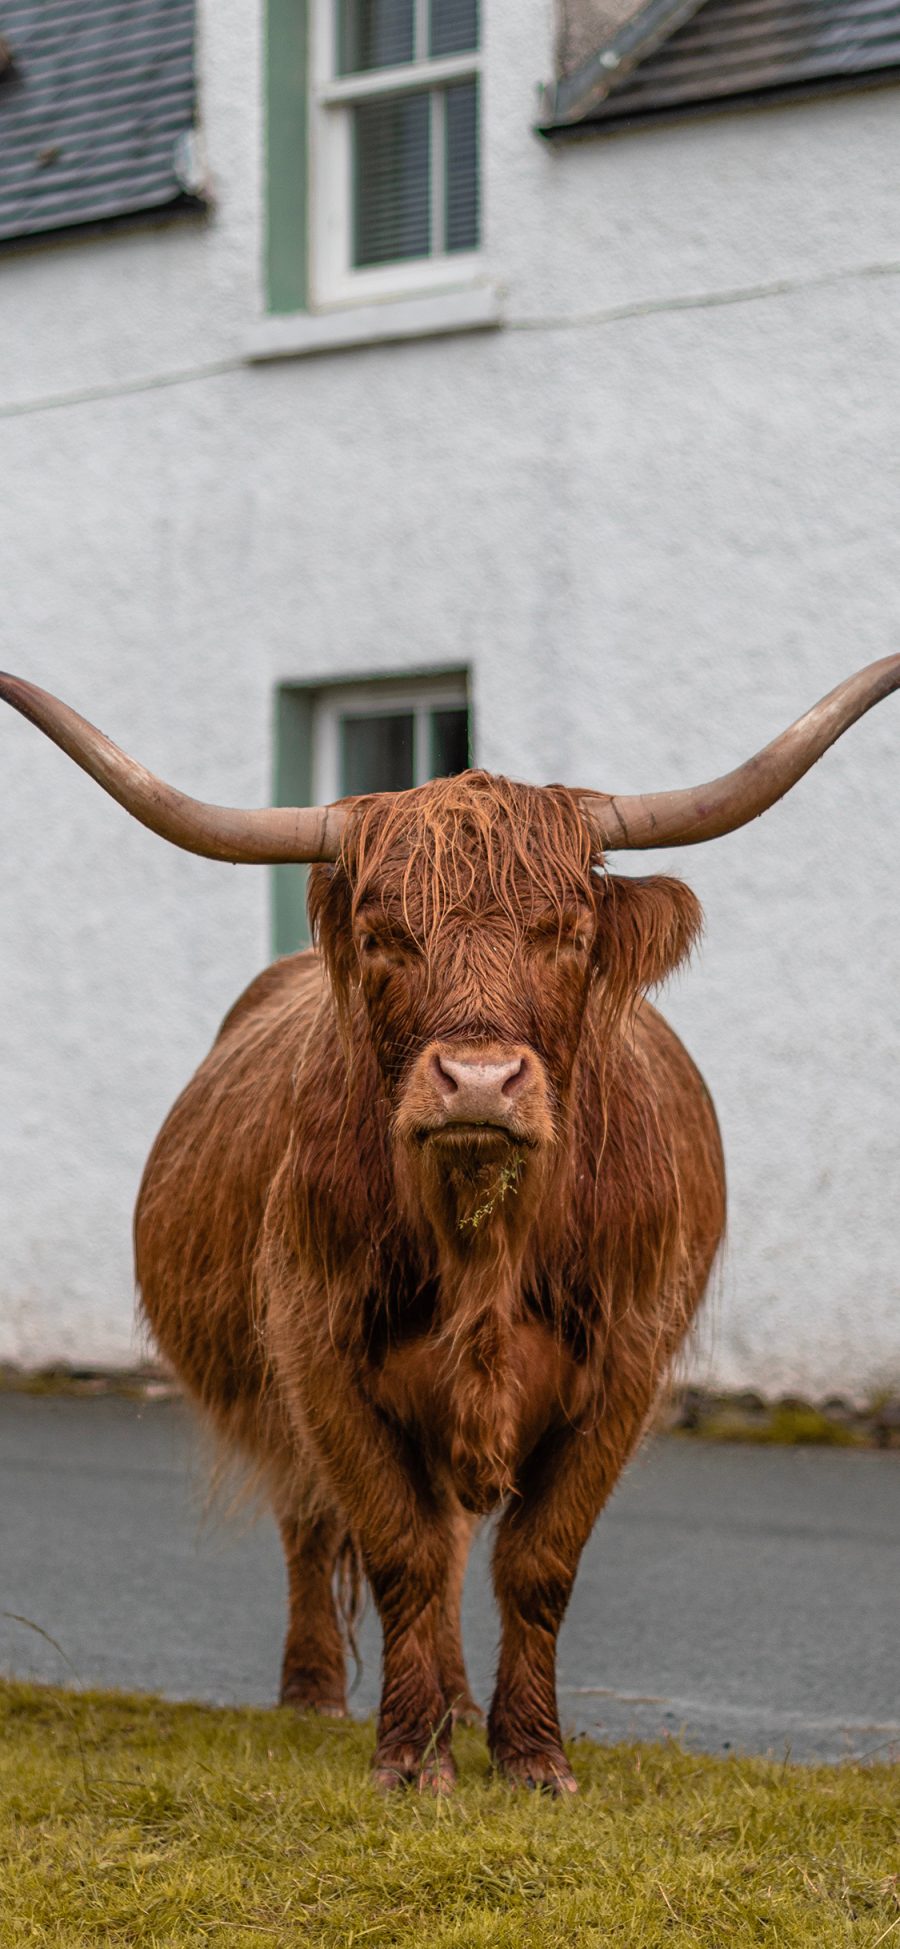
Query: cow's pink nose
point(476, 1091)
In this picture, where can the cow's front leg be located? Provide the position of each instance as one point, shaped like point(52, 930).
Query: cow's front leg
point(405, 1535)
point(535, 1560)
point(454, 1678)
point(539, 1544)
point(409, 1578)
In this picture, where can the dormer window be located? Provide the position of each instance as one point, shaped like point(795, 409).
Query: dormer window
point(395, 151)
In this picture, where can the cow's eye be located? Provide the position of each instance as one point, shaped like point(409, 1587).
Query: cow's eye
point(574, 946)
point(375, 946)
point(567, 940)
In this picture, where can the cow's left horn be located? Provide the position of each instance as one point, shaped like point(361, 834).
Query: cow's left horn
point(252, 838)
point(708, 811)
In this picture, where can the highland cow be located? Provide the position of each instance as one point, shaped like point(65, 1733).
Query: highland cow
point(425, 1231)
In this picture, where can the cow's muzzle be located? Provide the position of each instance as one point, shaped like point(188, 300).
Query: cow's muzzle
point(463, 1092)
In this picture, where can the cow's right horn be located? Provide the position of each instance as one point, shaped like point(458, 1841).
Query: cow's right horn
point(251, 838)
point(683, 818)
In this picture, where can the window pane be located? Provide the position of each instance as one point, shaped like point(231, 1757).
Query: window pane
point(392, 180)
point(449, 743)
point(454, 26)
point(374, 34)
point(377, 752)
point(462, 219)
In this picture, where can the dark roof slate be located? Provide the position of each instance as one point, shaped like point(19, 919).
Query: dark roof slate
point(91, 109)
point(733, 49)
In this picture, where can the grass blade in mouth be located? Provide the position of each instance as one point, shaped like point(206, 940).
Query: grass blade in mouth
point(505, 1185)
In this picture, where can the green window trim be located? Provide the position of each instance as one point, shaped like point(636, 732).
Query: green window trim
point(293, 786)
point(287, 156)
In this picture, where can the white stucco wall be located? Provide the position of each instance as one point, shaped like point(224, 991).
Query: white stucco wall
point(657, 515)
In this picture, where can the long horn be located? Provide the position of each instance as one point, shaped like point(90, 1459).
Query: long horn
point(707, 811)
point(251, 838)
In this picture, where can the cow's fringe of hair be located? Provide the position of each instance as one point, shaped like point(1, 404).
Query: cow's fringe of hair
point(470, 838)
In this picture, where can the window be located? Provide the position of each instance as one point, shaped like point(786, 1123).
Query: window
point(383, 736)
point(387, 737)
point(395, 145)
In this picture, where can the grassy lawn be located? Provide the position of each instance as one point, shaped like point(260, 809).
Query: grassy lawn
point(132, 1821)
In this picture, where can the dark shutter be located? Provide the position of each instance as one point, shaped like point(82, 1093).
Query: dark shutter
point(453, 26)
point(449, 742)
point(462, 217)
point(374, 34)
point(391, 180)
point(377, 752)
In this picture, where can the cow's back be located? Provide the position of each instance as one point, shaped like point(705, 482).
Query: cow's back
point(203, 1198)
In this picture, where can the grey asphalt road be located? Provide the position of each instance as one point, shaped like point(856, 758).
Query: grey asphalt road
point(737, 1598)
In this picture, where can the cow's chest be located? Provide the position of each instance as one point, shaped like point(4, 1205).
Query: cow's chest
point(475, 1412)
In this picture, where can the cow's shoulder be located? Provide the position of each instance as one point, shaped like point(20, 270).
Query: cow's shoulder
point(295, 978)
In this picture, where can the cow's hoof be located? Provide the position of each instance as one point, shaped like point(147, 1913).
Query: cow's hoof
point(302, 1698)
point(437, 1775)
point(430, 1772)
point(541, 1772)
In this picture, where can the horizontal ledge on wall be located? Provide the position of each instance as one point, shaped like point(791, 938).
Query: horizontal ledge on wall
point(435, 314)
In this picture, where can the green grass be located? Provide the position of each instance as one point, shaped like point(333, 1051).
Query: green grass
point(129, 1821)
point(785, 1425)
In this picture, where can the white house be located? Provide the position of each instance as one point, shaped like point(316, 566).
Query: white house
point(376, 377)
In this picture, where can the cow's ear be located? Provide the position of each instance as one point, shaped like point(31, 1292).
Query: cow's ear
point(646, 928)
point(329, 903)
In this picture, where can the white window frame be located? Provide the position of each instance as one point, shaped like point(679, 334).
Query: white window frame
point(417, 695)
point(334, 280)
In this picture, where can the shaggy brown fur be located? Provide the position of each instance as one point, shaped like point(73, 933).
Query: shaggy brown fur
point(402, 1321)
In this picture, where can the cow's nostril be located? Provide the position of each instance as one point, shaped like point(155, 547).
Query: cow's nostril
point(512, 1082)
point(447, 1083)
